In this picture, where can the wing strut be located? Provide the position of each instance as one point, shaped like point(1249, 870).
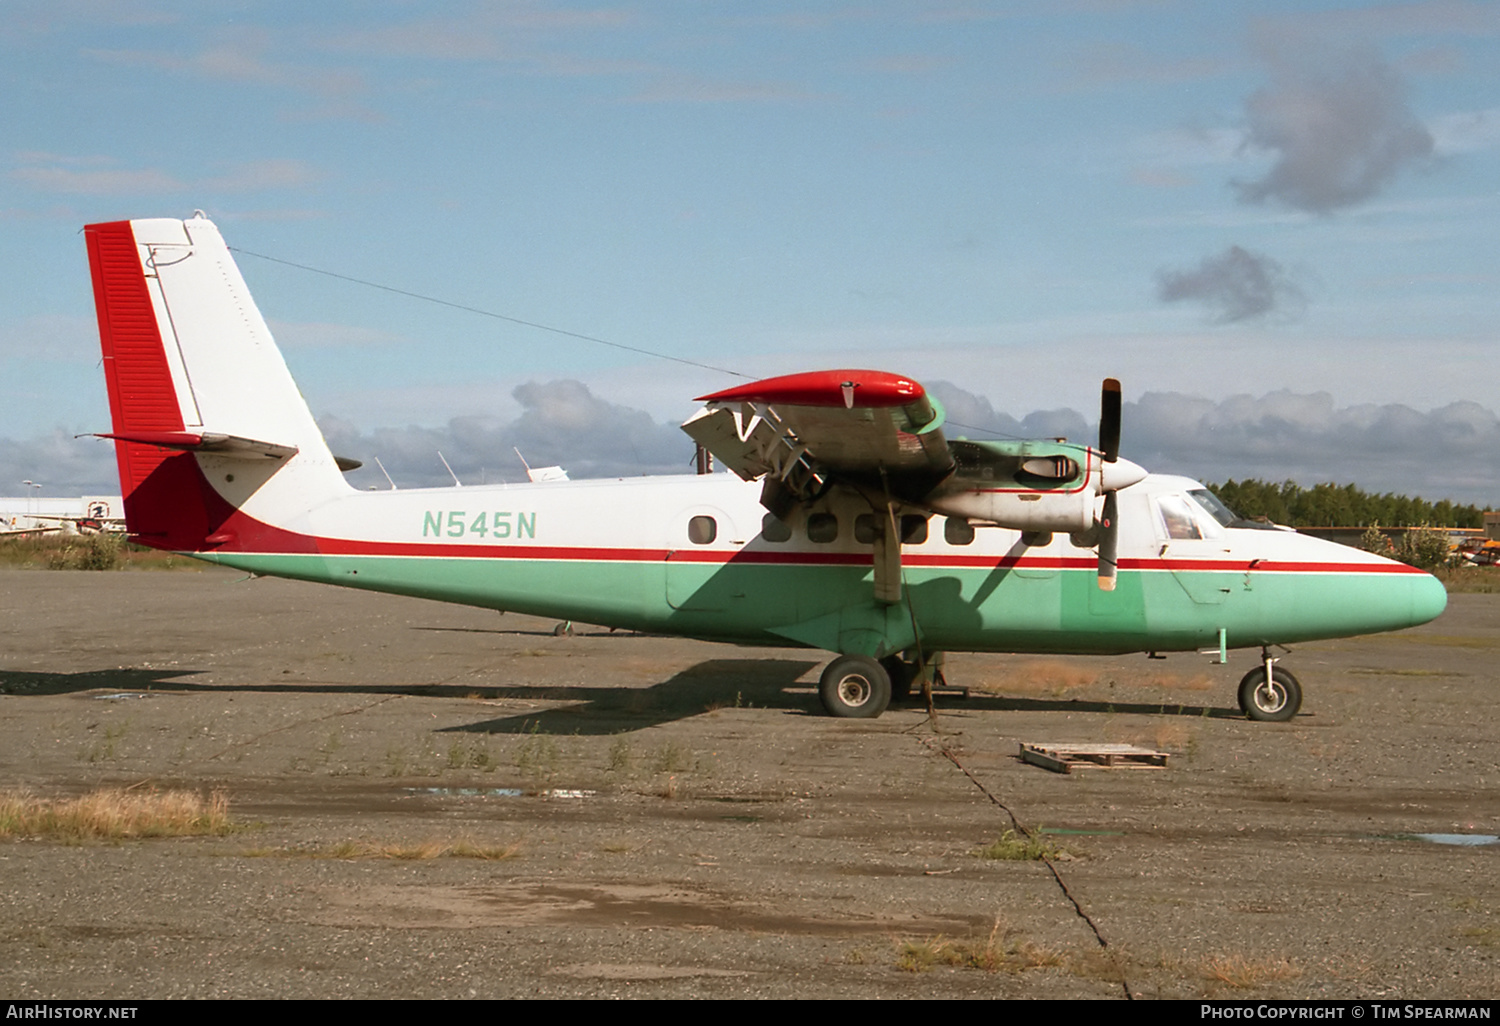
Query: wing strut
point(887, 553)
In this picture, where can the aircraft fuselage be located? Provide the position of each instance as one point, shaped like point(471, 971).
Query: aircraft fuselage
point(700, 556)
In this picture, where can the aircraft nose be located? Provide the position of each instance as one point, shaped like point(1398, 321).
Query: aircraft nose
point(1428, 599)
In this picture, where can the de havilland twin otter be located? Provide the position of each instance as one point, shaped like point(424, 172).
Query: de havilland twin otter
point(851, 523)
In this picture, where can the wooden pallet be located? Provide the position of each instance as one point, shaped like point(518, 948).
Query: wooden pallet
point(1062, 758)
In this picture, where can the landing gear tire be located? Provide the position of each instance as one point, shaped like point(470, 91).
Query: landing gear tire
point(902, 674)
point(855, 687)
point(1275, 702)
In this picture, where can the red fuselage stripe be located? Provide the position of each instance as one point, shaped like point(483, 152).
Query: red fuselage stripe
point(584, 553)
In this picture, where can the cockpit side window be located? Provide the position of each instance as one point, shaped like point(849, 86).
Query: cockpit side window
point(1178, 516)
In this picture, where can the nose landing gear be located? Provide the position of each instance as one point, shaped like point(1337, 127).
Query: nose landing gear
point(1269, 693)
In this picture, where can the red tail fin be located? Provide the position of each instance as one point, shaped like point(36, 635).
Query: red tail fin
point(165, 504)
point(216, 446)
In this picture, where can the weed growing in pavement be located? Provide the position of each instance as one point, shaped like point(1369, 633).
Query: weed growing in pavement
point(396, 763)
point(995, 953)
point(672, 757)
point(621, 758)
point(1242, 972)
point(476, 755)
point(114, 815)
point(1011, 847)
point(537, 756)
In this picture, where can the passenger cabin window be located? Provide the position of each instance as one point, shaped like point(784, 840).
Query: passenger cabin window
point(774, 529)
point(702, 530)
point(958, 531)
point(822, 528)
point(913, 529)
point(868, 526)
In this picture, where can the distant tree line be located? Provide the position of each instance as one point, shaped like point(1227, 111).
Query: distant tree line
point(1331, 505)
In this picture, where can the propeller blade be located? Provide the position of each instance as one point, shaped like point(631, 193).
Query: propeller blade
point(1109, 537)
point(1109, 420)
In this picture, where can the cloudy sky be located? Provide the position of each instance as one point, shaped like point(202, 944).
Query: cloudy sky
point(1277, 222)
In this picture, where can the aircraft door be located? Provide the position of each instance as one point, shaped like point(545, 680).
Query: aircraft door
point(1194, 548)
point(700, 541)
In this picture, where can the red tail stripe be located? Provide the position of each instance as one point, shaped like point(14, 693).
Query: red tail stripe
point(141, 395)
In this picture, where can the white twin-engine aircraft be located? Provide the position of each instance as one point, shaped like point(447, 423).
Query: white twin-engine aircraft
point(850, 523)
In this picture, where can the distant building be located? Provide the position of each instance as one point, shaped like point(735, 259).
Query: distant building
point(1492, 526)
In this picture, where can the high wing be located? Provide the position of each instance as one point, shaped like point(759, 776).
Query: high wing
point(10, 531)
point(881, 434)
point(82, 524)
point(801, 432)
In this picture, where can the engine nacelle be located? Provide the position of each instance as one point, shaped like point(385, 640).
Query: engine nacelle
point(1021, 510)
point(1029, 485)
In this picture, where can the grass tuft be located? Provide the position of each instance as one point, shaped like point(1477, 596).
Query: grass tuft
point(1052, 677)
point(87, 552)
point(1011, 847)
point(996, 953)
point(672, 757)
point(1243, 973)
point(114, 815)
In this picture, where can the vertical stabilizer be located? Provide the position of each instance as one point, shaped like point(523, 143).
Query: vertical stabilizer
point(216, 446)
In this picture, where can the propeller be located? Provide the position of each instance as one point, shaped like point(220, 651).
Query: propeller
point(1109, 449)
point(1109, 420)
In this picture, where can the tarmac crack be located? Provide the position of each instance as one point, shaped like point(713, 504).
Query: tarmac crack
point(936, 744)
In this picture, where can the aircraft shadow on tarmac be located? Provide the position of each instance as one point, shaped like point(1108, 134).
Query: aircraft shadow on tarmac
point(773, 684)
point(121, 679)
point(711, 684)
point(750, 683)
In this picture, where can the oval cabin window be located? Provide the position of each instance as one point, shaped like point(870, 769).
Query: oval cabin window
point(822, 528)
point(702, 530)
point(958, 531)
point(774, 529)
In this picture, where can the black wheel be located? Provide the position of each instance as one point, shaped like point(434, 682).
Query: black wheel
point(903, 675)
point(855, 687)
point(563, 630)
point(1274, 702)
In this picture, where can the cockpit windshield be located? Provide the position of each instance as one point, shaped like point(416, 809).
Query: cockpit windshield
point(1210, 502)
point(1226, 516)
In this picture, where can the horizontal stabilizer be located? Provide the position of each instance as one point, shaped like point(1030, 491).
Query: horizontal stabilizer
point(232, 446)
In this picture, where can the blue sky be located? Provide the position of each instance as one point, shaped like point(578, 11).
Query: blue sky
point(1276, 222)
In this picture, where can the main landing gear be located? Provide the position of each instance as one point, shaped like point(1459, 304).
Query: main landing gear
point(861, 687)
point(855, 687)
point(1269, 693)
